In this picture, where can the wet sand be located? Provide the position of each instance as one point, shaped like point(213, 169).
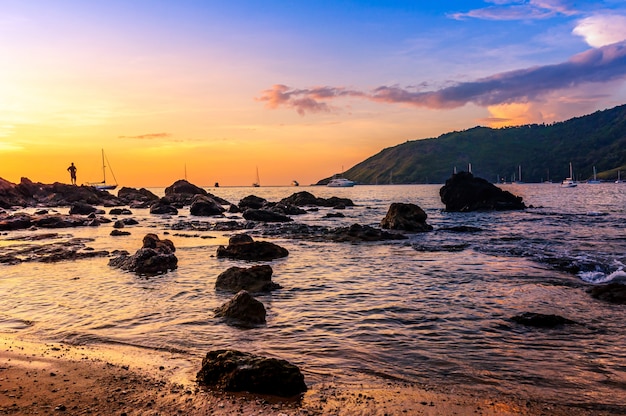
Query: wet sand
point(60, 379)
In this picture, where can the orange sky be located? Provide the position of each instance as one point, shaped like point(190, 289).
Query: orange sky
point(166, 87)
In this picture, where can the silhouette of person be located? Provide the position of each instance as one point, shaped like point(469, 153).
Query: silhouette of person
point(72, 171)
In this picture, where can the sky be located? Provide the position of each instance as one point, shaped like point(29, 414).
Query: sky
point(212, 91)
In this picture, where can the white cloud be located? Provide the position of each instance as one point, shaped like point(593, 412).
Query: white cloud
point(601, 30)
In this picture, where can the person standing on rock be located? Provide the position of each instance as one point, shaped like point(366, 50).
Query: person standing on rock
point(72, 171)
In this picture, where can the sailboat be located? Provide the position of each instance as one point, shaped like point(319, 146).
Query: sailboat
point(104, 186)
point(619, 177)
point(595, 179)
point(569, 182)
point(257, 183)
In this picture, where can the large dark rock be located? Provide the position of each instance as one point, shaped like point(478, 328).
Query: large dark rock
point(132, 196)
point(357, 233)
point(9, 196)
point(183, 192)
point(243, 247)
point(463, 193)
point(539, 320)
point(613, 293)
point(263, 215)
point(306, 198)
point(48, 252)
point(242, 310)
point(203, 205)
point(155, 257)
point(252, 201)
point(163, 207)
point(80, 208)
point(407, 217)
point(253, 279)
point(233, 370)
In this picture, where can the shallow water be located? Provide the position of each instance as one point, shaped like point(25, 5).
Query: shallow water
point(432, 309)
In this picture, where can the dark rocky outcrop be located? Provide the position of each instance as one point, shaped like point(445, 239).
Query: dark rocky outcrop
point(233, 370)
point(136, 198)
point(21, 220)
point(539, 320)
point(357, 233)
point(243, 247)
point(183, 192)
point(155, 257)
point(252, 201)
point(262, 215)
point(120, 211)
point(306, 198)
point(163, 207)
point(203, 205)
point(242, 310)
point(79, 208)
point(463, 193)
point(28, 193)
point(613, 293)
point(118, 233)
point(72, 249)
point(252, 279)
point(407, 217)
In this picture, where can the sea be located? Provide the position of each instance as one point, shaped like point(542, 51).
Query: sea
point(434, 309)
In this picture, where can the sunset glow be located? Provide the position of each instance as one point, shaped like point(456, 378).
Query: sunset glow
point(213, 90)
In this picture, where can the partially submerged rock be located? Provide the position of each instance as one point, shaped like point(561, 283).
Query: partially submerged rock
point(613, 293)
point(242, 310)
point(357, 233)
point(463, 193)
point(72, 249)
point(306, 198)
point(263, 215)
point(252, 279)
point(243, 247)
point(203, 205)
point(539, 320)
point(407, 217)
point(233, 370)
point(155, 257)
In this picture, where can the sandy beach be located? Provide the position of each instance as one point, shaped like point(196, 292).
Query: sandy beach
point(61, 379)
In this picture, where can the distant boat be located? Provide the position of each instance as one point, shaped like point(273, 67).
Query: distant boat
point(295, 183)
point(340, 183)
point(519, 180)
point(595, 179)
point(619, 177)
point(569, 182)
point(257, 183)
point(104, 186)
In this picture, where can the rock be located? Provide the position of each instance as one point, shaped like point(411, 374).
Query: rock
point(117, 233)
point(407, 217)
point(134, 196)
point(253, 279)
point(203, 205)
point(155, 257)
point(82, 209)
point(233, 370)
point(162, 207)
point(251, 201)
point(183, 192)
point(242, 310)
point(306, 198)
point(17, 221)
point(120, 211)
point(357, 233)
point(463, 193)
point(243, 247)
point(539, 320)
point(72, 249)
point(613, 293)
point(334, 215)
point(262, 215)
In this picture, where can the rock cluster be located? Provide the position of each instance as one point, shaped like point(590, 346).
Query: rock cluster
point(155, 257)
point(253, 279)
point(243, 247)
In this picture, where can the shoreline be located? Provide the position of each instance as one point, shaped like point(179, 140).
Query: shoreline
point(56, 378)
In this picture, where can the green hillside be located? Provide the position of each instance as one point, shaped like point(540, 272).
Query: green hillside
point(542, 151)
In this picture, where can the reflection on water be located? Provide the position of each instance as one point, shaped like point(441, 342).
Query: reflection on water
point(432, 309)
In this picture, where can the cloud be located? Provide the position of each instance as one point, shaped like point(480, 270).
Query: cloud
point(600, 65)
point(602, 29)
point(304, 100)
point(517, 10)
point(150, 136)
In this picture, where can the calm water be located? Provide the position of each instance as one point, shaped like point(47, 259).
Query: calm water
point(433, 309)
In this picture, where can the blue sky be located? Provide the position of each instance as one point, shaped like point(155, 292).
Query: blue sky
point(300, 89)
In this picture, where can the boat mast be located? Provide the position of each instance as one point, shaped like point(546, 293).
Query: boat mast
point(104, 172)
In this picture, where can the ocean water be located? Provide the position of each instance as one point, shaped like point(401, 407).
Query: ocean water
point(434, 309)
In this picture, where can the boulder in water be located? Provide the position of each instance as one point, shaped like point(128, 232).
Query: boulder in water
point(253, 279)
point(243, 247)
point(407, 217)
point(463, 193)
point(242, 310)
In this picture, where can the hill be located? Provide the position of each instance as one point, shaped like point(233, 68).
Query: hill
point(543, 152)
